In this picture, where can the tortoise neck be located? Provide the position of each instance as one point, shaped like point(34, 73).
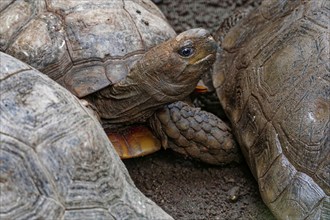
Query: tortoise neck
point(160, 89)
point(124, 102)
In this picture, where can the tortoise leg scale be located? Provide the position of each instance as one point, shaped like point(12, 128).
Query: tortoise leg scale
point(195, 133)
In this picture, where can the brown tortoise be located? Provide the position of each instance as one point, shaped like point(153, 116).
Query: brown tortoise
point(55, 160)
point(272, 79)
point(104, 52)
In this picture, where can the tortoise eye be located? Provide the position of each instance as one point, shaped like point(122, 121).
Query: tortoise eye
point(186, 51)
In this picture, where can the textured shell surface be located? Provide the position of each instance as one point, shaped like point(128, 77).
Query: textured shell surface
point(55, 160)
point(273, 81)
point(73, 40)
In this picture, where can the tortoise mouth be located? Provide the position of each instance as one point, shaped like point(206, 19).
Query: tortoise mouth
point(208, 56)
point(208, 60)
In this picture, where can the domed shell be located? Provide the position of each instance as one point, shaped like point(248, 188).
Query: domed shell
point(55, 160)
point(84, 45)
point(272, 79)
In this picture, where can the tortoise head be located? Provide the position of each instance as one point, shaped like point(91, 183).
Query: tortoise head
point(170, 71)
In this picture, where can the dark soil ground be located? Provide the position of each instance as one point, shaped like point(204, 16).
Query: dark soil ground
point(185, 188)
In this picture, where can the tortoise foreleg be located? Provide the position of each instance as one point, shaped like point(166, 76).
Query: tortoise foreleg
point(195, 133)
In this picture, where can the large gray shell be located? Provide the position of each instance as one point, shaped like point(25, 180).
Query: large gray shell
point(55, 160)
point(83, 45)
point(272, 79)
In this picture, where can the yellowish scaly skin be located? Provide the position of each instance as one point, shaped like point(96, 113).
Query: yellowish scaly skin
point(134, 142)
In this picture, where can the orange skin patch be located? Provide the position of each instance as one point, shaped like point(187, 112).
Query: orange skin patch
point(201, 89)
point(135, 141)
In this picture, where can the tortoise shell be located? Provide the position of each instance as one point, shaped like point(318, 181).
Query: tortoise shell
point(272, 79)
point(55, 160)
point(83, 45)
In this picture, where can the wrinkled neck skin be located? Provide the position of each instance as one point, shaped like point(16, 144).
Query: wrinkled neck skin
point(136, 98)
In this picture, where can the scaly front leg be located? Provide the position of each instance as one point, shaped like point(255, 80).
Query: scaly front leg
point(195, 133)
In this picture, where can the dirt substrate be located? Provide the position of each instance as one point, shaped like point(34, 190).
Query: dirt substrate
point(188, 189)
